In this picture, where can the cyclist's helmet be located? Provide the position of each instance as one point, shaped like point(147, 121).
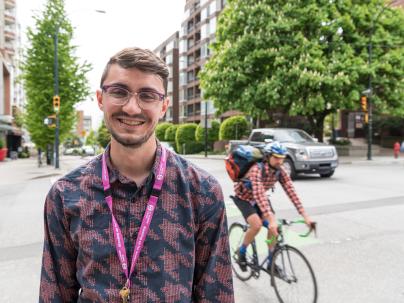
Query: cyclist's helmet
point(275, 149)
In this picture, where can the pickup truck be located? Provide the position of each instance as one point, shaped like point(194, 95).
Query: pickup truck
point(305, 154)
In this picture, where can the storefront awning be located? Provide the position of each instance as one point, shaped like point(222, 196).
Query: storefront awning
point(11, 129)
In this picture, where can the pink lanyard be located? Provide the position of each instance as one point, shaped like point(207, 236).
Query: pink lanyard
point(147, 217)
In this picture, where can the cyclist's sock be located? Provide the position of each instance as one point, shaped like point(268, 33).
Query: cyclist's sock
point(270, 254)
point(243, 249)
point(265, 223)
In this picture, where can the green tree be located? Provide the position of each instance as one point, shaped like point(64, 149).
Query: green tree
point(91, 139)
point(103, 136)
point(38, 74)
point(305, 58)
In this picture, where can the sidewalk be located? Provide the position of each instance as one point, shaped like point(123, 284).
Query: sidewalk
point(16, 171)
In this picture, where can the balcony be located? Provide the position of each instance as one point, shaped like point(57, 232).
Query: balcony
point(9, 4)
point(9, 35)
point(10, 50)
point(9, 19)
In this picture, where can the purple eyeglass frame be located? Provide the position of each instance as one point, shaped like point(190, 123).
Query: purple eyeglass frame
point(105, 87)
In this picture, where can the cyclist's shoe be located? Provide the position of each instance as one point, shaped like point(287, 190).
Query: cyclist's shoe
point(279, 272)
point(242, 261)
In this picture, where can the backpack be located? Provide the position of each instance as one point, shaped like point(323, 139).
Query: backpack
point(239, 161)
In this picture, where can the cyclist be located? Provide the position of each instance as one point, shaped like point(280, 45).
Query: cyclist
point(254, 204)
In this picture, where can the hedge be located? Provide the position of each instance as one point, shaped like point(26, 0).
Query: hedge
point(170, 133)
point(213, 133)
point(233, 128)
point(161, 130)
point(186, 135)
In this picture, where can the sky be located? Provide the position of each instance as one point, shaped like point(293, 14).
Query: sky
point(142, 23)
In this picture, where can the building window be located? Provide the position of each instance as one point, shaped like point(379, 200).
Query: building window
point(183, 79)
point(204, 13)
point(190, 93)
point(169, 59)
point(212, 25)
point(197, 108)
point(212, 7)
point(170, 87)
point(183, 46)
point(205, 30)
point(183, 62)
point(190, 110)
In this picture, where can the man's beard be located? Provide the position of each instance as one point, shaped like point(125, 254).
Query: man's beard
point(129, 142)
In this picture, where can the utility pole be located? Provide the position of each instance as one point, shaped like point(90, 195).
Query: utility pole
point(370, 88)
point(56, 95)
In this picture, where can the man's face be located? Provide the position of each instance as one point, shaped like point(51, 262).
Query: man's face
point(128, 124)
point(275, 161)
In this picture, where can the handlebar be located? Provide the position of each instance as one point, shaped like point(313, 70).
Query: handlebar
point(281, 222)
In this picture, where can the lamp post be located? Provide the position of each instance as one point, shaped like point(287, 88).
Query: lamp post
point(369, 91)
point(56, 90)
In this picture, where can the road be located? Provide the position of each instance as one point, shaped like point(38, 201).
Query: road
point(357, 256)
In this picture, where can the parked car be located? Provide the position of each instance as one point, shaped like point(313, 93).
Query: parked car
point(305, 154)
point(88, 150)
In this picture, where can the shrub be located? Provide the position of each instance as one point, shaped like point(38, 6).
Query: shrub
point(1, 143)
point(103, 136)
point(161, 130)
point(233, 128)
point(185, 134)
point(213, 133)
point(170, 133)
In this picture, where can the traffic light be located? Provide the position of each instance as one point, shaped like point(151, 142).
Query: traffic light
point(364, 104)
point(56, 103)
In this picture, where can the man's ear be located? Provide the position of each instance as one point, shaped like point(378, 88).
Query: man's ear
point(164, 108)
point(98, 94)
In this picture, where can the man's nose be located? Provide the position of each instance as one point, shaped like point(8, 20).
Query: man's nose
point(132, 106)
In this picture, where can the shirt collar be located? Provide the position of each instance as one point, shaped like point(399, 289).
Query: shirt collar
point(115, 175)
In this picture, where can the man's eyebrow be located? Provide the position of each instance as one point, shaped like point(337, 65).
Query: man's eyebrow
point(119, 84)
point(148, 89)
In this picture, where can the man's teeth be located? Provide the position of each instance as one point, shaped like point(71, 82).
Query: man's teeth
point(131, 122)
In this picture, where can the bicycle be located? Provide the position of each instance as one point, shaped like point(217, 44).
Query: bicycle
point(292, 276)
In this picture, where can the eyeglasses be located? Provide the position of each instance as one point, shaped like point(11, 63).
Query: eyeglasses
point(121, 96)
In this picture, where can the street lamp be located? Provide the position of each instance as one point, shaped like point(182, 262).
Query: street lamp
point(56, 90)
point(369, 92)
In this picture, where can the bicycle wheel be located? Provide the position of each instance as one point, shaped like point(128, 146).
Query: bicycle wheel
point(292, 276)
point(236, 236)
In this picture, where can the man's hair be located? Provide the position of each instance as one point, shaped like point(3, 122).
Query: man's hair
point(141, 59)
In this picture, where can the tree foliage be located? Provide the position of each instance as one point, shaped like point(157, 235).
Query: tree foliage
point(305, 57)
point(103, 135)
point(91, 138)
point(38, 74)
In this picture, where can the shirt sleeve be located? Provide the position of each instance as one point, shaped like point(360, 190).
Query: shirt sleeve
point(58, 274)
point(212, 274)
point(258, 189)
point(289, 189)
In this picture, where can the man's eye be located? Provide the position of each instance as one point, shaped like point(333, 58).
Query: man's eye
point(148, 96)
point(118, 92)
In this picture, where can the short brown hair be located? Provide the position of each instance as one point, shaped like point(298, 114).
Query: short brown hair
point(141, 59)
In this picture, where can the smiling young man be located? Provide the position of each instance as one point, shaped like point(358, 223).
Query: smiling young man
point(137, 223)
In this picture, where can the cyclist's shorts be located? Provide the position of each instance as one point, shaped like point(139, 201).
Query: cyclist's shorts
point(247, 209)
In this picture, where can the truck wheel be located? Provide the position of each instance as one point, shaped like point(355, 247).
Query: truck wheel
point(290, 169)
point(327, 175)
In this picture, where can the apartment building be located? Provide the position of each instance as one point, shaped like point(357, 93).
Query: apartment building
point(197, 32)
point(168, 51)
point(10, 92)
point(83, 124)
